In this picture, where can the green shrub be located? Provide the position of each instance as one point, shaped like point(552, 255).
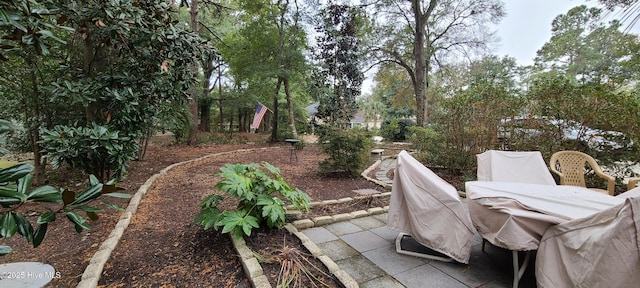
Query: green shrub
point(177, 120)
point(16, 190)
point(96, 150)
point(299, 145)
point(430, 145)
point(396, 129)
point(260, 197)
point(348, 150)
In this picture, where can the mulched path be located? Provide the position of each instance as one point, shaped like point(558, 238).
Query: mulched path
point(162, 244)
point(162, 247)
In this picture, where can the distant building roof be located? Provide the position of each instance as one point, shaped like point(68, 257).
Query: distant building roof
point(312, 109)
point(358, 118)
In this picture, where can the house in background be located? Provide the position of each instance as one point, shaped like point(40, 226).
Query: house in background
point(360, 121)
point(357, 121)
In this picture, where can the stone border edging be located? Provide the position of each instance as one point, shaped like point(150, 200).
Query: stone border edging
point(250, 264)
point(252, 267)
point(93, 271)
point(333, 268)
point(365, 173)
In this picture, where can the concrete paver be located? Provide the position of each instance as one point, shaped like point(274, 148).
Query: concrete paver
point(338, 250)
point(360, 268)
point(364, 241)
point(382, 282)
point(320, 235)
point(343, 228)
point(365, 249)
point(391, 262)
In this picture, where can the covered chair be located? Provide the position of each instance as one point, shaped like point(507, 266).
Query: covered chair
point(429, 209)
point(511, 166)
point(600, 250)
point(570, 166)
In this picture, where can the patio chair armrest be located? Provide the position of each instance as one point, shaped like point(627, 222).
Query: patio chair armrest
point(552, 166)
point(633, 182)
point(611, 181)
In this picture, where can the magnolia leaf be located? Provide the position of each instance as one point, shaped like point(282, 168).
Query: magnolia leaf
point(38, 236)
point(92, 215)
point(24, 227)
point(118, 195)
point(68, 197)
point(112, 205)
point(11, 192)
point(109, 188)
point(4, 250)
point(9, 226)
point(88, 194)
point(45, 194)
point(23, 185)
point(46, 218)
point(88, 208)
point(6, 202)
point(93, 180)
point(15, 172)
point(79, 221)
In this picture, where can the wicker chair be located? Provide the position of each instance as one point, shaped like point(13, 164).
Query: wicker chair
point(570, 166)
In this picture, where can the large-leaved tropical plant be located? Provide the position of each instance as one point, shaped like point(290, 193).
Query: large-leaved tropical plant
point(260, 191)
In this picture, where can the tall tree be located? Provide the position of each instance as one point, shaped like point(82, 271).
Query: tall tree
point(269, 45)
point(212, 18)
point(584, 48)
point(193, 91)
point(431, 32)
point(394, 90)
point(340, 56)
point(31, 33)
point(123, 61)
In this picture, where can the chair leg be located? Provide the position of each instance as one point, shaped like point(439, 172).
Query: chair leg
point(519, 271)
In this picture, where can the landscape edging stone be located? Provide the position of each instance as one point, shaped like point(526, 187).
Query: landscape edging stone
point(91, 275)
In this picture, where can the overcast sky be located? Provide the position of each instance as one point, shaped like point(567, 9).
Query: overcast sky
point(527, 26)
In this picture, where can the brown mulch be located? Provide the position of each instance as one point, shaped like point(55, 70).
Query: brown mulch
point(162, 247)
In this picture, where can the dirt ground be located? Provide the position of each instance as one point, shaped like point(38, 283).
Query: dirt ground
point(162, 247)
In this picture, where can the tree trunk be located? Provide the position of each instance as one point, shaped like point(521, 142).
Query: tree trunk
point(292, 123)
point(221, 118)
point(193, 93)
point(205, 107)
point(86, 66)
point(34, 127)
point(420, 86)
point(205, 117)
point(274, 126)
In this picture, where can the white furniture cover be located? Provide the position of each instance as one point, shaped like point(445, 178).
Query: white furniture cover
point(631, 193)
point(514, 216)
point(512, 166)
point(429, 209)
point(601, 250)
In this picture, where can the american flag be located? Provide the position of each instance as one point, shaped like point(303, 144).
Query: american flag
point(257, 118)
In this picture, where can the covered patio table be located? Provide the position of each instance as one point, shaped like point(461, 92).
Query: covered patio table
point(515, 216)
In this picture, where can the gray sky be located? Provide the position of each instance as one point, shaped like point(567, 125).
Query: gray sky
point(527, 26)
